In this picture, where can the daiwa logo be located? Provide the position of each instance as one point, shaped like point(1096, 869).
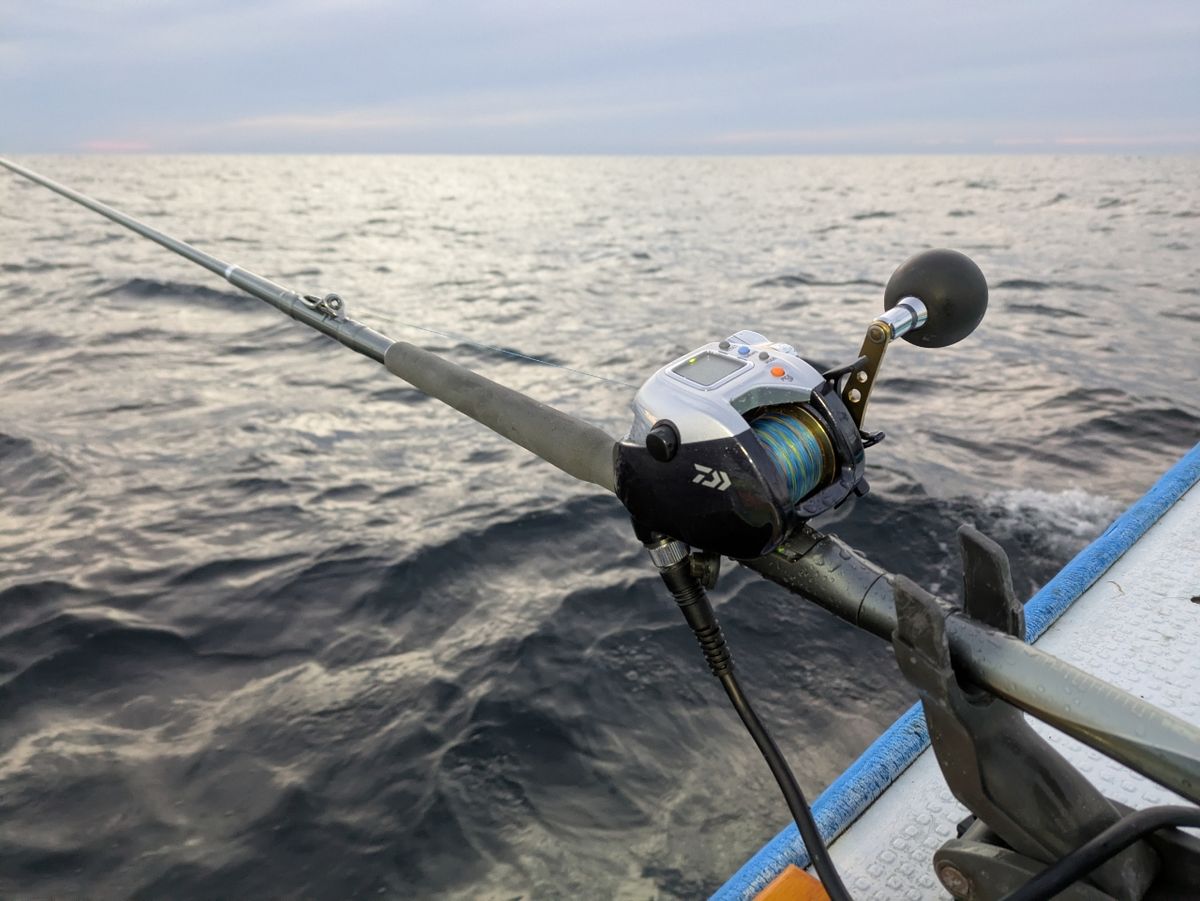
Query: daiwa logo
point(708, 477)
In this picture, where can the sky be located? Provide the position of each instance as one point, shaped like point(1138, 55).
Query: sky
point(623, 76)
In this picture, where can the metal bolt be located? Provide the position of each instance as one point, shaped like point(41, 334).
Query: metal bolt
point(878, 333)
point(861, 376)
point(954, 880)
point(854, 395)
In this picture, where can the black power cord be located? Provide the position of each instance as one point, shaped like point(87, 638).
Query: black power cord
point(681, 581)
point(1096, 850)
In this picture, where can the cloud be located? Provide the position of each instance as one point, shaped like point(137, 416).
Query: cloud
point(1175, 140)
point(625, 76)
point(420, 125)
point(953, 136)
point(386, 120)
point(118, 145)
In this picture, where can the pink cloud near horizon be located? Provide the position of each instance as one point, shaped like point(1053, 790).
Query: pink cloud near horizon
point(105, 145)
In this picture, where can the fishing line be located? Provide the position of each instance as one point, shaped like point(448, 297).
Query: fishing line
point(799, 446)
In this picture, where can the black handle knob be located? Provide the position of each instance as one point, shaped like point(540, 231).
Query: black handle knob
point(952, 288)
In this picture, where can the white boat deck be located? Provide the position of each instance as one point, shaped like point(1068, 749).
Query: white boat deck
point(1137, 627)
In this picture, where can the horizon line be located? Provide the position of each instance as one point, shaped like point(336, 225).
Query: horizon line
point(1064, 150)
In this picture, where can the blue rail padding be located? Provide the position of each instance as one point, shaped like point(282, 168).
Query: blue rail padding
point(895, 750)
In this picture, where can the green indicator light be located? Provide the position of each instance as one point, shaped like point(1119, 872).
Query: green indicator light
point(691, 361)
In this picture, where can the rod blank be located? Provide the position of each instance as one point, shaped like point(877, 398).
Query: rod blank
point(354, 335)
point(574, 446)
point(825, 570)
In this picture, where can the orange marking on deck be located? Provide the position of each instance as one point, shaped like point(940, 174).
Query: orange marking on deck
point(793, 884)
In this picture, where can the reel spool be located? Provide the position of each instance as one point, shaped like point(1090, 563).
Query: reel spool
point(737, 442)
point(799, 446)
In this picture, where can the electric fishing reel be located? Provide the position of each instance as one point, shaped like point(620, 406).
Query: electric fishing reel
point(741, 440)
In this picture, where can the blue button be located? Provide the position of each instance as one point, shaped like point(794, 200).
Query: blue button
point(744, 351)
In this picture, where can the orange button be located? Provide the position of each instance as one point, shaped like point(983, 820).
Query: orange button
point(777, 371)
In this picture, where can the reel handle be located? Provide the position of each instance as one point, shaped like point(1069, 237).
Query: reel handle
point(951, 287)
point(934, 299)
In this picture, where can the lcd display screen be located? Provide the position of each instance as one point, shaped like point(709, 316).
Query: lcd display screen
point(707, 368)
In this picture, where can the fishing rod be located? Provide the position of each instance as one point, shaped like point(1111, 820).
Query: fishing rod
point(733, 448)
point(577, 448)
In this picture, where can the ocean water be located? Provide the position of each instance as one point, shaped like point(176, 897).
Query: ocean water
point(273, 625)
